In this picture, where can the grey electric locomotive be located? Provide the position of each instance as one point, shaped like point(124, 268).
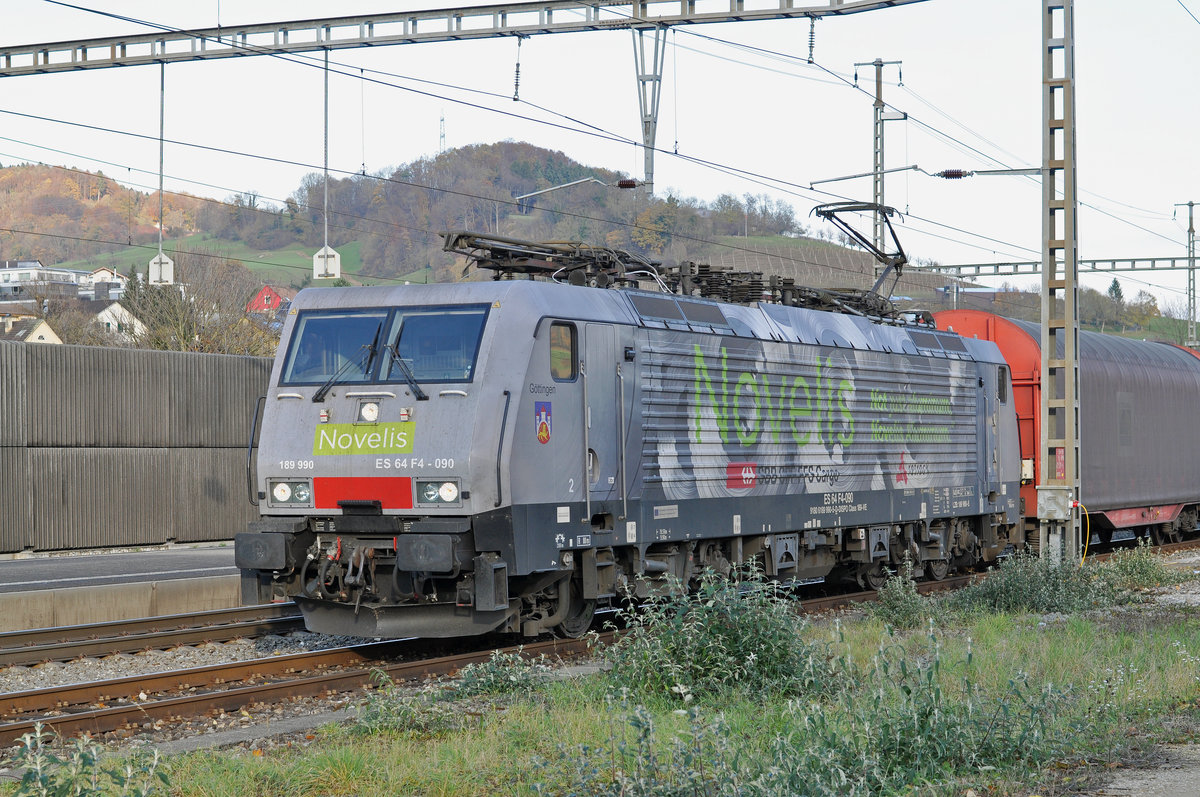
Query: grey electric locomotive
point(451, 459)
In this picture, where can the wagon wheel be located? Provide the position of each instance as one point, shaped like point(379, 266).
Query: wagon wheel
point(1164, 533)
point(873, 576)
point(579, 614)
point(936, 569)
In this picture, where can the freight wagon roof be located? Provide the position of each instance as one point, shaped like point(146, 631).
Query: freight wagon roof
point(655, 310)
point(1021, 343)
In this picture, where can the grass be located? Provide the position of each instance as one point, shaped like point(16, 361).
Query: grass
point(727, 692)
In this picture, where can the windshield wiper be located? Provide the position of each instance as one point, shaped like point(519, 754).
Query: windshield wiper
point(364, 364)
point(407, 373)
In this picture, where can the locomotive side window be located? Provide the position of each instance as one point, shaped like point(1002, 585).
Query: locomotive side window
point(325, 344)
point(1002, 383)
point(435, 344)
point(562, 352)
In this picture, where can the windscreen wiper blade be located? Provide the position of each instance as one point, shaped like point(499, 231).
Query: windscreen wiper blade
point(364, 364)
point(407, 373)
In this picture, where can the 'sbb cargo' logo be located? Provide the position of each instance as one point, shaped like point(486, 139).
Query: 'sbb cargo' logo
point(741, 475)
point(349, 438)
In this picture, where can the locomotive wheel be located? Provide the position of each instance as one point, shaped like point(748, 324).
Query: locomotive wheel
point(936, 569)
point(873, 576)
point(579, 615)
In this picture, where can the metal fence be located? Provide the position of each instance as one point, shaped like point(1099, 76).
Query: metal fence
point(118, 447)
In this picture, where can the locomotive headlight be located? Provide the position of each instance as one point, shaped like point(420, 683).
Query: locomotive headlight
point(369, 412)
point(296, 492)
point(439, 492)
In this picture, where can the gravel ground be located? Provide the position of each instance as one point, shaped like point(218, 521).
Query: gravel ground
point(292, 724)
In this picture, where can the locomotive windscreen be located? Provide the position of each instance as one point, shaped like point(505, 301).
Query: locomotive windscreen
point(437, 344)
point(325, 343)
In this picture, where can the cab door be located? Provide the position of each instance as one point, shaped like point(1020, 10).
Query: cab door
point(601, 412)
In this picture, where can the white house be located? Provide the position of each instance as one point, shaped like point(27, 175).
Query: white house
point(114, 318)
point(25, 329)
point(101, 280)
point(26, 279)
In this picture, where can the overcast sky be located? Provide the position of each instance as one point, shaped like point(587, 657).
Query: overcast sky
point(740, 96)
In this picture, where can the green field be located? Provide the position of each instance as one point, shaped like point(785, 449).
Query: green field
point(289, 266)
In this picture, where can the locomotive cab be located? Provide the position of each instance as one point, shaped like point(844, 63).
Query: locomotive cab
point(384, 484)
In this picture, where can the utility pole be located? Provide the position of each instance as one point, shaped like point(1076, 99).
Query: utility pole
point(1058, 478)
point(1191, 329)
point(881, 116)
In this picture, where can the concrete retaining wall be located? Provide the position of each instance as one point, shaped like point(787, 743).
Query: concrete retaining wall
point(21, 611)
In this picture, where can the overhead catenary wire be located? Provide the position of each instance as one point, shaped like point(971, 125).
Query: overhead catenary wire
point(303, 59)
point(770, 182)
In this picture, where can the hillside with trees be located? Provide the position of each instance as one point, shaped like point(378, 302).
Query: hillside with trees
point(391, 218)
point(387, 227)
point(58, 215)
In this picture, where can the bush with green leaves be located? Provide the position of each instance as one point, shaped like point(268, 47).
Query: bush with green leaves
point(80, 768)
point(1027, 583)
point(502, 674)
point(726, 636)
point(900, 721)
point(1138, 568)
point(392, 708)
point(900, 605)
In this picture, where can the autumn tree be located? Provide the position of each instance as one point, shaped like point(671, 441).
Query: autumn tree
point(1142, 309)
point(204, 312)
point(654, 226)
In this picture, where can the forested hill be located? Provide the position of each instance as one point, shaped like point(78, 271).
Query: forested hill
point(63, 215)
point(56, 214)
point(396, 216)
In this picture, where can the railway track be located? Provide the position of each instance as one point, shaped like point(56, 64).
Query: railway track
point(126, 636)
point(128, 703)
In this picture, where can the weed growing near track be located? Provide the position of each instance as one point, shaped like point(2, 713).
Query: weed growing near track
point(892, 722)
point(900, 605)
point(703, 700)
point(502, 674)
point(727, 637)
point(80, 768)
point(1025, 583)
point(1139, 568)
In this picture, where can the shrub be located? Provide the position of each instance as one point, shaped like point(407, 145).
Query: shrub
point(1138, 568)
point(1026, 583)
point(726, 637)
point(900, 605)
point(82, 770)
point(394, 709)
point(898, 723)
point(502, 674)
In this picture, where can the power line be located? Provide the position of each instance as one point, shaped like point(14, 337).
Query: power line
point(787, 187)
point(304, 60)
